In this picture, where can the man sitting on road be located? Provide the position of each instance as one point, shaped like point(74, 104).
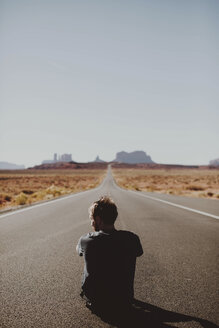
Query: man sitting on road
point(110, 258)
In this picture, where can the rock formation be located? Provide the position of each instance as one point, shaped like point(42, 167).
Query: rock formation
point(98, 160)
point(133, 157)
point(214, 162)
point(11, 166)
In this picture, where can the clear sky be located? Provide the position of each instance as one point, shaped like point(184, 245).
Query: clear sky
point(94, 77)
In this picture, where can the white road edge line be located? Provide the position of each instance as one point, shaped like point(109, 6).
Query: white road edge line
point(170, 203)
point(177, 205)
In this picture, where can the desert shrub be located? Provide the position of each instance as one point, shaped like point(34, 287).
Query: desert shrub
point(195, 188)
point(57, 192)
point(7, 198)
point(28, 192)
point(150, 189)
point(210, 194)
point(21, 199)
point(91, 185)
point(53, 190)
point(40, 194)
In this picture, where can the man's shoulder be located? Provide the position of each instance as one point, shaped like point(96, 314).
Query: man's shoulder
point(89, 237)
point(127, 234)
point(86, 241)
point(130, 241)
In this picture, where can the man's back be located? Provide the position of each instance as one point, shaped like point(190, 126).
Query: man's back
point(110, 260)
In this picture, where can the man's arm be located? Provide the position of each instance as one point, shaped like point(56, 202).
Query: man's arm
point(79, 249)
point(139, 249)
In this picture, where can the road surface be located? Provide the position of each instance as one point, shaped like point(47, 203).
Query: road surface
point(176, 278)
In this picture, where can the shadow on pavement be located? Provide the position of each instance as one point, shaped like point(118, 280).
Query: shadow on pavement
point(144, 315)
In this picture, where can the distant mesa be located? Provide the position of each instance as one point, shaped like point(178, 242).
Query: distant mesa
point(58, 158)
point(98, 160)
point(214, 162)
point(11, 166)
point(135, 157)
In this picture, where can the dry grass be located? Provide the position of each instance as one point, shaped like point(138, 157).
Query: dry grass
point(29, 186)
point(186, 182)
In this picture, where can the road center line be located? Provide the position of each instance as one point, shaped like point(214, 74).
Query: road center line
point(177, 205)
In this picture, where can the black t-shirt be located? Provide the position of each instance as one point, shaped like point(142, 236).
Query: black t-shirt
point(109, 269)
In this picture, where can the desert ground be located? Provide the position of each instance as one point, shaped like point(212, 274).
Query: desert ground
point(184, 182)
point(29, 186)
point(25, 187)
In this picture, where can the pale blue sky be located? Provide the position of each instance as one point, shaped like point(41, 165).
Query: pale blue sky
point(97, 77)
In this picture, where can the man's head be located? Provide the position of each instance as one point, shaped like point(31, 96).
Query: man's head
point(103, 213)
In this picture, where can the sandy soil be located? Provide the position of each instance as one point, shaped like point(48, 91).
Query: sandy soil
point(185, 182)
point(29, 186)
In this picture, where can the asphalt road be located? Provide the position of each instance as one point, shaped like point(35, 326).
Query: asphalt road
point(176, 279)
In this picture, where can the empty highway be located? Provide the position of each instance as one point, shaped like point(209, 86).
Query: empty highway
point(176, 278)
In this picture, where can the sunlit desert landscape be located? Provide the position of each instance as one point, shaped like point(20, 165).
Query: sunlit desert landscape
point(29, 186)
point(184, 182)
point(25, 187)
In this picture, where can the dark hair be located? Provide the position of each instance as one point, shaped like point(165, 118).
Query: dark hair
point(105, 208)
